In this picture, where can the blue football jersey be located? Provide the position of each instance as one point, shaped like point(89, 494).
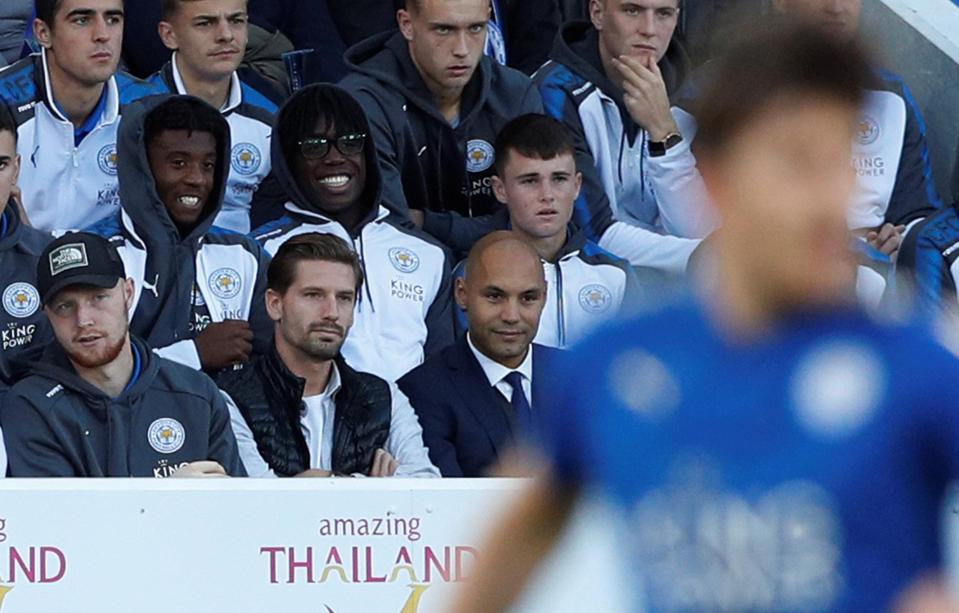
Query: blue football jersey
point(801, 471)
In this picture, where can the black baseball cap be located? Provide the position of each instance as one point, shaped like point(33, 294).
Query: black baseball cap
point(77, 258)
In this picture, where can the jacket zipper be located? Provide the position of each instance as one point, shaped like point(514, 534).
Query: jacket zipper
point(560, 307)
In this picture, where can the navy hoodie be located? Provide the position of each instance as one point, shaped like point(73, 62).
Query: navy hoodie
point(24, 329)
point(55, 424)
point(176, 277)
point(427, 163)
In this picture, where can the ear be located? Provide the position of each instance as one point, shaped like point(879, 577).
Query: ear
point(596, 14)
point(41, 32)
point(405, 21)
point(128, 293)
point(167, 35)
point(16, 169)
point(579, 184)
point(459, 292)
point(499, 189)
point(274, 304)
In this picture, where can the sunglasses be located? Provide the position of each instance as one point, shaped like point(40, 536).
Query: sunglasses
point(317, 147)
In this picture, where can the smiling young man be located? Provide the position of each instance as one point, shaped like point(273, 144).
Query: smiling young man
point(615, 132)
point(327, 163)
point(436, 103)
point(536, 179)
point(198, 293)
point(99, 403)
point(67, 101)
point(208, 39)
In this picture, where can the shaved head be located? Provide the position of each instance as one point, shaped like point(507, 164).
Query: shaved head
point(503, 293)
point(503, 244)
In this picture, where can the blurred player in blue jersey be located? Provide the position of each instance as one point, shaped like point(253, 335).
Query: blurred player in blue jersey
point(766, 445)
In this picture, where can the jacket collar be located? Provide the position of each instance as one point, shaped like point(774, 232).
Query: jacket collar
point(489, 408)
point(110, 113)
point(54, 364)
point(282, 380)
point(577, 47)
point(575, 241)
point(386, 58)
point(14, 227)
point(286, 383)
point(171, 74)
point(376, 215)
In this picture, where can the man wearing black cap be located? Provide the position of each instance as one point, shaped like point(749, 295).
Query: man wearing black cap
point(100, 403)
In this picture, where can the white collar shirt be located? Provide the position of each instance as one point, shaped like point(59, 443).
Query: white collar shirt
point(496, 372)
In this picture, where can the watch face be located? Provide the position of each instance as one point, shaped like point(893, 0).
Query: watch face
point(672, 140)
point(658, 148)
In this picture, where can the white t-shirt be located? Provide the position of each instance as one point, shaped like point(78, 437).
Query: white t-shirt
point(311, 423)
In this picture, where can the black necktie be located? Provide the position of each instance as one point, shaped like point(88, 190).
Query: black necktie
point(524, 414)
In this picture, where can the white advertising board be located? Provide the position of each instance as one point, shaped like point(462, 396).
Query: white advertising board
point(315, 545)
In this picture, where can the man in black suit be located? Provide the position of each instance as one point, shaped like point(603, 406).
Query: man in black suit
point(478, 395)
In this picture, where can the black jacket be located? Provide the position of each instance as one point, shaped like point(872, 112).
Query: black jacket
point(270, 398)
point(55, 424)
point(427, 164)
point(24, 329)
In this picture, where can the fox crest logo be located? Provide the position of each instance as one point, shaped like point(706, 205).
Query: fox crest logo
point(166, 435)
point(225, 283)
point(595, 298)
point(480, 155)
point(404, 260)
point(107, 160)
point(867, 130)
point(21, 300)
point(245, 158)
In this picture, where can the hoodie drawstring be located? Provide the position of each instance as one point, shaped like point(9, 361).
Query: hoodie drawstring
point(622, 147)
point(560, 306)
point(366, 276)
point(642, 164)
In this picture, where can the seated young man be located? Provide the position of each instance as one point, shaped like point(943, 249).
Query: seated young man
point(23, 328)
point(301, 410)
point(100, 403)
point(895, 186)
point(536, 179)
point(581, 86)
point(67, 101)
point(436, 102)
point(325, 159)
point(198, 290)
point(208, 38)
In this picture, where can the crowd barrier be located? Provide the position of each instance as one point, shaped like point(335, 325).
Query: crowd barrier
point(311, 545)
